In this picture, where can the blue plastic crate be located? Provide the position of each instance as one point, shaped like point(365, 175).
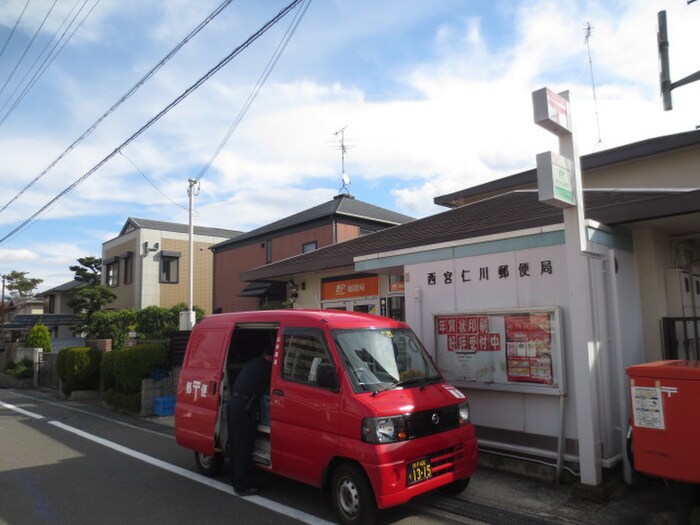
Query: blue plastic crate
point(164, 406)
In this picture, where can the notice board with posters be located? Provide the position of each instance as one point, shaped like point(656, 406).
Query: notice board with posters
point(516, 350)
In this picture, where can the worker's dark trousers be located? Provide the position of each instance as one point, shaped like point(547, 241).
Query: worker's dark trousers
point(241, 431)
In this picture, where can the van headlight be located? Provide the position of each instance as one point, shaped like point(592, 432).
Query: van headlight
point(464, 414)
point(383, 429)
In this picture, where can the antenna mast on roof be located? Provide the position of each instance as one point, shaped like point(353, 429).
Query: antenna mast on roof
point(343, 149)
point(589, 30)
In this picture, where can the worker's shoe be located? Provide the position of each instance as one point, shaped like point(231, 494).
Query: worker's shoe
point(250, 491)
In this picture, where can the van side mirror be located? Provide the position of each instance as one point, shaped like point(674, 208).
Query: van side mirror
point(325, 376)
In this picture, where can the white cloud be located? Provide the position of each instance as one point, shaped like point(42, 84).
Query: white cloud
point(449, 114)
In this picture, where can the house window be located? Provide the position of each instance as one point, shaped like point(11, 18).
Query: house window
point(112, 272)
point(268, 251)
point(169, 266)
point(309, 246)
point(128, 269)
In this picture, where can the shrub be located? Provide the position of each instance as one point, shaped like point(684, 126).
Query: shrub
point(155, 322)
point(107, 378)
point(113, 324)
point(134, 364)
point(79, 368)
point(39, 337)
point(123, 370)
point(21, 369)
point(120, 400)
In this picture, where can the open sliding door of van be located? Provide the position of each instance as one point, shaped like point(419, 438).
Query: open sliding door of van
point(199, 388)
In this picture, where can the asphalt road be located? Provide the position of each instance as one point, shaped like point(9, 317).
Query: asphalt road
point(68, 463)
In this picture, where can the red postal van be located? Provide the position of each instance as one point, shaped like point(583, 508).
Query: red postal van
point(356, 406)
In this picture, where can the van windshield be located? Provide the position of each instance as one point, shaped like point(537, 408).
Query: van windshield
point(381, 359)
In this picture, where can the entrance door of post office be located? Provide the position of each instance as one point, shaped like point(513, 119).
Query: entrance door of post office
point(368, 306)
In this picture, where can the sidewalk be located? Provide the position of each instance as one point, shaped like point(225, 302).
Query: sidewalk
point(499, 497)
point(512, 498)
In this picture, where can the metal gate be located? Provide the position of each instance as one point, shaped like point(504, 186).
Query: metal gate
point(48, 370)
point(681, 337)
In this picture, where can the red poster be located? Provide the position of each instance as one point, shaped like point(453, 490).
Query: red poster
point(529, 348)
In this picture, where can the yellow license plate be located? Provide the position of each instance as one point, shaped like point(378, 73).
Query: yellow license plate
point(418, 471)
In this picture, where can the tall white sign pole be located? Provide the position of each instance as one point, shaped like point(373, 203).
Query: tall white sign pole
point(559, 184)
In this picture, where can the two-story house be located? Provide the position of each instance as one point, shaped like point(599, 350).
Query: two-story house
point(340, 219)
point(148, 263)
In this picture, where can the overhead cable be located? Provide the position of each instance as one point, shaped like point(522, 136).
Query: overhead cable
point(28, 46)
point(9, 37)
point(123, 98)
point(153, 120)
point(47, 60)
point(258, 86)
point(153, 183)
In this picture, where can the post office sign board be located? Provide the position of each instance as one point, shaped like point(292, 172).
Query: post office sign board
point(555, 180)
point(551, 111)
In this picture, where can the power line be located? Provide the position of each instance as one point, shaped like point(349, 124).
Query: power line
point(153, 120)
point(19, 19)
point(28, 46)
point(47, 60)
point(152, 183)
point(123, 98)
point(258, 86)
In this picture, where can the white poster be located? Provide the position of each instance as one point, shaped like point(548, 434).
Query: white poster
point(648, 407)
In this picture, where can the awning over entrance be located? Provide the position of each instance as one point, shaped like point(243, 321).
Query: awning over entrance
point(261, 288)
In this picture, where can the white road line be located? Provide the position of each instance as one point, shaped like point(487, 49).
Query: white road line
point(92, 414)
point(22, 411)
point(174, 469)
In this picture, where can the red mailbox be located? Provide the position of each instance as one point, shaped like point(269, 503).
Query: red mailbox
point(666, 419)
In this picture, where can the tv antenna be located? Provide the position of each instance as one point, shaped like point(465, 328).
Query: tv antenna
point(589, 31)
point(343, 149)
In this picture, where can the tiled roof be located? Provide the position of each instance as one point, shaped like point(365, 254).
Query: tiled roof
point(508, 212)
point(20, 322)
point(339, 206)
point(608, 157)
point(149, 224)
point(65, 287)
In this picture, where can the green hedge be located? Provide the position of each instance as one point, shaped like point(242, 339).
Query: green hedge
point(107, 379)
point(128, 402)
point(131, 365)
point(123, 370)
point(79, 368)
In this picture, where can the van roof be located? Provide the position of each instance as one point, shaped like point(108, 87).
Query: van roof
point(304, 317)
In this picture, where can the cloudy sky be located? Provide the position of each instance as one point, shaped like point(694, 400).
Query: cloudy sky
point(433, 97)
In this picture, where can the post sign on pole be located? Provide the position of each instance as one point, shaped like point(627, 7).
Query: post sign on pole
point(555, 180)
point(551, 111)
point(561, 186)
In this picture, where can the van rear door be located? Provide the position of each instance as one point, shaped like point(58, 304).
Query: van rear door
point(199, 388)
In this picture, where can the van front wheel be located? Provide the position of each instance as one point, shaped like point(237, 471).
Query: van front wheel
point(353, 498)
point(209, 465)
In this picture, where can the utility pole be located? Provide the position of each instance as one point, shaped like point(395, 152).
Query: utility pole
point(2, 314)
point(188, 319)
point(665, 69)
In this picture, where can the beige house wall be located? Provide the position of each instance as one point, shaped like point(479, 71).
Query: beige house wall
point(126, 293)
point(174, 293)
point(146, 289)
